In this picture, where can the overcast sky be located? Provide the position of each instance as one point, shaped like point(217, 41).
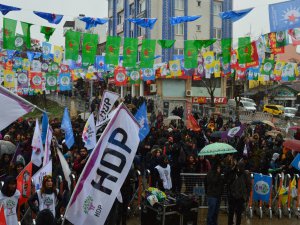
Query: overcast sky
point(256, 22)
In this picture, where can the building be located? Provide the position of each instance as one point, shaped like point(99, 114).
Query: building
point(209, 26)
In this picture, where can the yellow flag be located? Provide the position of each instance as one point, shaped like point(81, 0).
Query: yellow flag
point(9, 79)
point(278, 68)
point(217, 68)
point(175, 68)
point(58, 54)
point(297, 72)
point(26, 64)
point(209, 59)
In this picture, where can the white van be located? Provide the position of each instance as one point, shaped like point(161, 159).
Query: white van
point(244, 105)
point(249, 100)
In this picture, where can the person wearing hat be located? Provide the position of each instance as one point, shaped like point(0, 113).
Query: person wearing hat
point(9, 197)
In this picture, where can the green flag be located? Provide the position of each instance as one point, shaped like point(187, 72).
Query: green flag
point(166, 43)
point(130, 52)
point(89, 48)
point(72, 44)
point(112, 50)
point(147, 53)
point(267, 67)
point(9, 30)
point(134, 75)
point(47, 31)
point(19, 42)
point(51, 81)
point(281, 39)
point(244, 50)
point(190, 54)
point(226, 50)
point(26, 33)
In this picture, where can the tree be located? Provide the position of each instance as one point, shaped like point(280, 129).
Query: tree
point(211, 84)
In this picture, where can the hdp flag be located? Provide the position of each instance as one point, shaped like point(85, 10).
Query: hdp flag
point(278, 70)
point(288, 72)
point(120, 76)
point(89, 48)
point(46, 49)
point(244, 50)
point(45, 123)
point(262, 187)
point(51, 81)
point(89, 133)
point(295, 35)
point(93, 22)
point(175, 68)
point(36, 80)
point(267, 67)
point(58, 54)
point(130, 52)
point(281, 39)
point(226, 49)
point(26, 33)
point(296, 162)
point(190, 54)
point(141, 117)
point(134, 75)
point(67, 127)
point(9, 78)
point(284, 15)
point(72, 44)
point(112, 50)
point(9, 30)
point(234, 15)
point(183, 19)
point(166, 43)
point(144, 22)
point(148, 74)
point(147, 53)
point(6, 9)
point(47, 31)
point(65, 82)
point(50, 17)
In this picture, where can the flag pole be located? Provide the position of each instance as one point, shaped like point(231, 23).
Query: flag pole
point(21, 99)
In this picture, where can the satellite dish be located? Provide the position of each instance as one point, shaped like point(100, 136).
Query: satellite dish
point(298, 49)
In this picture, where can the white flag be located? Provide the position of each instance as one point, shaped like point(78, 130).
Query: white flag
point(105, 171)
point(89, 133)
point(37, 178)
point(65, 167)
point(12, 108)
point(48, 140)
point(108, 118)
point(108, 100)
point(37, 146)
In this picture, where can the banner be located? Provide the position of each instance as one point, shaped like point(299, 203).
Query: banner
point(9, 30)
point(296, 162)
point(105, 171)
point(22, 78)
point(134, 76)
point(112, 50)
point(141, 117)
point(37, 146)
point(190, 54)
point(89, 48)
point(175, 68)
point(58, 54)
point(192, 123)
point(51, 81)
point(267, 67)
point(65, 82)
point(147, 53)
point(72, 44)
point(262, 187)
point(9, 79)
point(89, 133)
point(37, 178)
point(66, 125)
point(107, 103)
point(244, 50)
point(148, 74)
point(226, 49)
point(24, 183)
point(47, 152)
point(36, 80)
point(65, 167)
point(120, 76)
point(130, 52)
point(46, 49)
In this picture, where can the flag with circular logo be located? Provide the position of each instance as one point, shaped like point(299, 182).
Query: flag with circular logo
point(175, 68)
point(112, 50)
point(267, 67)
point(262, 186)
point(19, 42)
point(9, 79)
point(130, 52)
point(148, 74)
point(134, 75)
point(46, 49)
point(18, 61)
point(89, 48)
point(209, 60)
point(22, 78)
point(36, 66)
point(36, 80)
point(51, 81)
point(147, 53)
point(54, 67)
point(58, 54)
point(190, 54)
point(26, 64)
point(120, 76)
point(65, 82)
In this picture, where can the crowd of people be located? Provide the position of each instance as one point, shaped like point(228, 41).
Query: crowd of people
point(167, 151)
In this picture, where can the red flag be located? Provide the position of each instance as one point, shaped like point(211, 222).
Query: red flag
point(254, 56)
point(120, 76)
point(294, 33)
point(234, 59)
point(2, 216)
point(192, 123)
point(36, 80)
point(273, 44)
point(24, 183)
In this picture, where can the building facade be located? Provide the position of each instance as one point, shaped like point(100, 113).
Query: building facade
point(209, 26)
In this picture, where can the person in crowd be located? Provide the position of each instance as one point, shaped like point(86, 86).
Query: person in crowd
point(4, 164)
point(9, 197)
point(203, 165)
point(214, 188)
point(45, 217)
point(80, 162)
point(162, 174)
point(239, 187)
point(46, 197)
point(219, 122)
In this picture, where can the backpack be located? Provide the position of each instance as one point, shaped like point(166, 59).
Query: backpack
point(238, 188)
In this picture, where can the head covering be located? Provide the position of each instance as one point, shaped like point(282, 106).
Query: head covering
point(155, 148)
point(8, 180)
point(45, 217)
point(275, 156)
point(6, 136)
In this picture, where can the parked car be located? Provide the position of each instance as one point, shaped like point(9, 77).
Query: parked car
point(249, 100)
point(244, 105)
point(276, 110)
point(289, 112)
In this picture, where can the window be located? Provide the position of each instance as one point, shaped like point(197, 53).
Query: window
point(142, 6)
point(199, 3)
point(131, 34)
point(131, 9)
point(217, 33)
point(179, 29)
point(198, 28)
point(179, 4)
point(217, 8)
point(178, 51)
point(110, 4)
point(119, 18)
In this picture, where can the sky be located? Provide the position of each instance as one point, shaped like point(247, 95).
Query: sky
point(255, 23)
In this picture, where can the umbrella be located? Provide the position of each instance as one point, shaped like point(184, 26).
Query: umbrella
point(217, 149)
point(294, 128)
point(268, 123)
point(255, 122)
point(217, 134)
point(273, 133)
point(173, 118)
point(292, 145)
point(6, 147)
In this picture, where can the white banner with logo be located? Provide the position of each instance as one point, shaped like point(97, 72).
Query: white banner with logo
point(105, 171)
point(38, 176)
point(108, 100)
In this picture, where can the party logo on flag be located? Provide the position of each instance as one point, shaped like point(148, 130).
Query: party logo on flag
point(36, 66)
point(45, 67)
point(19, 41)
point(17, 63)
point(36, 80)
point(54, 67)
point(120, 76)
point(22, 80)
point(148, 74)
point(134, 76)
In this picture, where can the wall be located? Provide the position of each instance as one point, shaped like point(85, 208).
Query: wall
point(173, 88)
point(202, 91)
